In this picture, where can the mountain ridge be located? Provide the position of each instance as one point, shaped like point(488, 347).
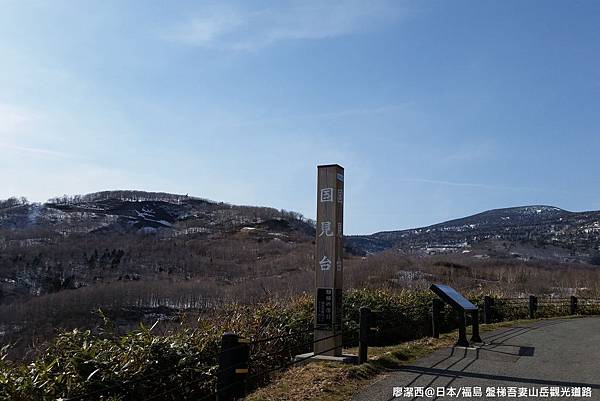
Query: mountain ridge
point(485, 212)
point(540, 225)
point(166, 214)
point(109, 237)
point(131, 209)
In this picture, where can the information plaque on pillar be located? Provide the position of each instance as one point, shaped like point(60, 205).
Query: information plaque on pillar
point(329, 266)
point(324, 307)
point(451, 296)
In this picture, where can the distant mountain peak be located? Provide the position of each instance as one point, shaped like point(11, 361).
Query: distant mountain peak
point(529, 209)
point(123, 195)
point(122, 211)
point(575, 236)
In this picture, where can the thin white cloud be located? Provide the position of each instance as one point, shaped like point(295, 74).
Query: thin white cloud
point(467, 184)
point(15, 119)
point(366, 111)
point(207, 29)
point(236, 28)
point(20, 128)
point(35, 151)
point(471, 152)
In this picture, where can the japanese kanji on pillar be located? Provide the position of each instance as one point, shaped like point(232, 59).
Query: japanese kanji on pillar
point(329, 267)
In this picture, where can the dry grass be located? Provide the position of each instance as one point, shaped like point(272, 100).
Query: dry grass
point(330, 381)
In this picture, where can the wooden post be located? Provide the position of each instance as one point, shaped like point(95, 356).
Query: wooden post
point(487, 309)
point(233, 368)
point(363, 336)
point(329, 266)
point(532, 306)
point(436, 308)
point(573, 305)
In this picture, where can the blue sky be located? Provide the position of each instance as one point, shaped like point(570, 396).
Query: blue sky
point(437, 109)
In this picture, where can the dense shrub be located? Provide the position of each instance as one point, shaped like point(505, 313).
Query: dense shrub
point(141, 364)
point(398, 315)
point(182, 364)
point(79, 363)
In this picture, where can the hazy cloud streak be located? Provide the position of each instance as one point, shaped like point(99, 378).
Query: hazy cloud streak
point(14, 119)
point(468, 184)
point(37, 151)
point(239, 29)
point(367, 111)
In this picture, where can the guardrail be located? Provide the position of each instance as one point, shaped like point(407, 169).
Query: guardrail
point(237, 360)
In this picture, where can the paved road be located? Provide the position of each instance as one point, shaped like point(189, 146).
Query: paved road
point(547, 354)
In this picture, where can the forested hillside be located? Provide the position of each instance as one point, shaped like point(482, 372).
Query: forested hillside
point(73, 242)
point(142, 256)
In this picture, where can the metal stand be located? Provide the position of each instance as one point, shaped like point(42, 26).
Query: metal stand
point(462, 330)
point(461, 305)
point(475, 336)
